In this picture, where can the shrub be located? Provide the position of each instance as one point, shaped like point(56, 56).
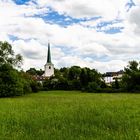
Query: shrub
point(93, 87)
point(35, 86)
point(10, 81)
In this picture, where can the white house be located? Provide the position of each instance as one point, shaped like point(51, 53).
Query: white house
point(111, 76)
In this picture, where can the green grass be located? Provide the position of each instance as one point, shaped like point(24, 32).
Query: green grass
point(67, 115)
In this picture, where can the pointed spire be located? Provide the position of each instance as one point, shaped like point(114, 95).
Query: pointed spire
point(49, 54)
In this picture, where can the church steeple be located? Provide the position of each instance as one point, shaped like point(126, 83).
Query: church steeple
point(49, 54)
point(49, 67)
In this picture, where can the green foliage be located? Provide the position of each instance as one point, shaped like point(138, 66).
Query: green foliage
point(131, 77)
point(46, 84)
point(59, 83)
point(74, 78)
point(33, 71)
point(74, 72)
point(10, 81)
point(35, 86)
point(116, 84)
point(64, 72)
point(13, 82)
point(93, 87)
point(61, 115)
point(83, 77)
point(26, 80)
point(30, 83)
point(7, 55)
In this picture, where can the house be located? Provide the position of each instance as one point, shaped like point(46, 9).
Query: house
point(111, 76)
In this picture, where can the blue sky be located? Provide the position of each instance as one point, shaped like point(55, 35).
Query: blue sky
point(96, 34)
point(20, 2)
point(53, 17)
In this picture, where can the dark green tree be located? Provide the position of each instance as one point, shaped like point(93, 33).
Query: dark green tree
point(84, 77)
point(115, 85)
point(74, 72)
point(64, 71)
point(11, 84)
point(131, 78)
point(7, 55)
point(32, 71)
point(93, 87)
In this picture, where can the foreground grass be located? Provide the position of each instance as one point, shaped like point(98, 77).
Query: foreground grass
point(61, 115)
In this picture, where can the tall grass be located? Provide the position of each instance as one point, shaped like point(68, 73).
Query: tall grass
point(66, 115)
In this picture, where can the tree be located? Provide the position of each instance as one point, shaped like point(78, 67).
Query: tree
point(11, 83)
point(131, 77)
point(116, 85)
point(74, 72)
point(75, 78)
point(40, 72)
point(30, 83)
point(64, 71)
point(83, 77)
point(7, 55)
point(33, 71)
point(93, 87)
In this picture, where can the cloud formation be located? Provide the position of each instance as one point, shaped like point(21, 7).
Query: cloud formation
point(106, 43)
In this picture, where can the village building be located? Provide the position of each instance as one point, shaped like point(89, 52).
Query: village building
point(48, 68)
point(111, 76)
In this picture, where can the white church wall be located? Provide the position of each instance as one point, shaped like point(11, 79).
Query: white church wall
point(49, 70)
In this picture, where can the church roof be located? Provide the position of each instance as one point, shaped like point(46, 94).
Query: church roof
point(49, 54)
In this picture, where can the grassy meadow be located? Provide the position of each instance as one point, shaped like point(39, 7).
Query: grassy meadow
point(70, 115)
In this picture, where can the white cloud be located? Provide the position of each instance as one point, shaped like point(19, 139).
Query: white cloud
point(83, 44)
point(87, 8)
point(113, 65)
point(134, 19)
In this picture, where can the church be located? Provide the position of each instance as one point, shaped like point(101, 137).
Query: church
point(49, 67)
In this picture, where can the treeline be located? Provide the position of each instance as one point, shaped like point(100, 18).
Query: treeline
point(90, 80)
point(12, 81)
point(75, 78)
point(15, 83)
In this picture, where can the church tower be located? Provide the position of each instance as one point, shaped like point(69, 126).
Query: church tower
point(49, 67)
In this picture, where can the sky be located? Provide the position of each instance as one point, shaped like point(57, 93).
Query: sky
point(99, 34)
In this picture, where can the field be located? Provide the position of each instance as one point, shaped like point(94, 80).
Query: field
point(67, 115)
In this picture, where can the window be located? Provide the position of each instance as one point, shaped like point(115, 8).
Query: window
point(49, 67)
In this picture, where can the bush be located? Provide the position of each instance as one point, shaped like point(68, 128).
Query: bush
point(35, 86)
point(10, 82)
point(93, 87)
point(30, 83)
point(47, 85)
